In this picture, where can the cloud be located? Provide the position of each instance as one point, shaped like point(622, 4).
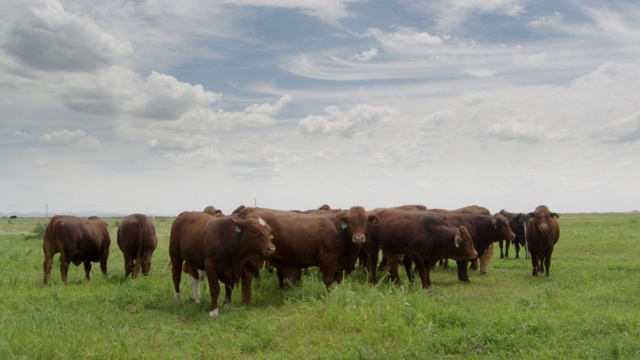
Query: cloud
point(529, 61)
point(330, 11)
point(481, 73)
point(365, 55)
point(546, 21)
point(119, 91)
point(360, 119)
point(67, 138)
point(451, 13)
point(269, 109)
point(51, 39)
point(402, 155)
point(516, 130)
point(624, 130)
point(406, 40)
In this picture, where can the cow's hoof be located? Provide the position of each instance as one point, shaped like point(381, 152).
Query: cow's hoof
point(176, 297)
point(213, 313)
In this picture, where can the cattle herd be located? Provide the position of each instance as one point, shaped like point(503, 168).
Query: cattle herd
point(233, 248)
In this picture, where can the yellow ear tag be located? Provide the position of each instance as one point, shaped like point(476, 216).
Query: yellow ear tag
point(270, 237)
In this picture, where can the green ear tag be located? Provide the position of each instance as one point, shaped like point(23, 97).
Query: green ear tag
point(238, 229)
point(457, 245)
point(344, 225)
point(531, 219)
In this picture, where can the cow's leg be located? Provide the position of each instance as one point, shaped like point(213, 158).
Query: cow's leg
point(195, 284)
point(547, 263)
point(146, 263)
point(463, 274)
point(423, 271)
point(247, 278)
point(228, 291)
point(407, 263)
point(473, 264)
point(128, 266)
point(176, 275)
point(103, 261)
point(500, 244)
point(87, 269)
point(517, 246)
point(534, 263)
point(48, 262)
point(393, 268)
point(506, 248)
point(372, 265)
point(214, 290)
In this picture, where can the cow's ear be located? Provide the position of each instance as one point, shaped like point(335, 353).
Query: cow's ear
point(554, 215)
point(374, 220)
point(240, 222)
point(341, 222)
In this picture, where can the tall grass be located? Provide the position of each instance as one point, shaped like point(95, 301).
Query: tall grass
point(588, 308)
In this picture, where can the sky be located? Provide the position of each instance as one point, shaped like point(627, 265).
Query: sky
point(160, 106)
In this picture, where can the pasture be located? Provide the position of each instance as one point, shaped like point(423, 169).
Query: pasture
point(588, 309)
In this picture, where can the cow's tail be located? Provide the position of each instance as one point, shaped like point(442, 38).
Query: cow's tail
point(136, 267)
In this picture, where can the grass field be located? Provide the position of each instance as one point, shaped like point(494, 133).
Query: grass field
point(588, 309)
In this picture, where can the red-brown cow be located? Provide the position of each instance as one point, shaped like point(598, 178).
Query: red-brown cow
point(137, 240)
point(484, 229)
point(226, 248)
point(78, 241)
point(542, 234)
point(328, 240)
point(421, 237)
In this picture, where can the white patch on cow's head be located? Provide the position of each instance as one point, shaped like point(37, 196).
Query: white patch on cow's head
point(214, 312)
point(261, 221)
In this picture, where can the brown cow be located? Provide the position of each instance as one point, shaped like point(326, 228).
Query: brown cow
point(421, 237)
point(327, 240)
point(137, 240)
point(542, 234)
point(227, 248)
point(484, 229)
point(78, 241)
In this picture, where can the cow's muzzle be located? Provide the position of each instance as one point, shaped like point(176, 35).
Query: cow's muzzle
point(544, 227)
point(359, 239)
point(269, 250)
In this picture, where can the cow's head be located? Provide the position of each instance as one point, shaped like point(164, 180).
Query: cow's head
point(257, 232)
point(464, 244)
point(541, 218)
point(501, 224)
point(357, 221)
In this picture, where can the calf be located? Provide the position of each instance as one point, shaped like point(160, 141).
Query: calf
point(227, 248)
point(137, 240)
point(542, 234)
point(78, 241)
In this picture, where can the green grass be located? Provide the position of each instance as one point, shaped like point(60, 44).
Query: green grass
point(587, 309)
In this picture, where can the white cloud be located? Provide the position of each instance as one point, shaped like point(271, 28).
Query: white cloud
point(51, 39)
point(452, 13)
point(365, 55)
point(362, 118)
point(269, 109)
point(481, 73)
point(330, 11)
point(546, 21)
point(406, 40)
point(518, 130)
point(68, 138)
point(532, 60)
point(626, 129)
